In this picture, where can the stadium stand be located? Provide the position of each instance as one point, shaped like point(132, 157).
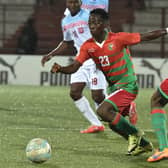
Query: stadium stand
point(48, 17)
point(153, 17)
point(12, 16)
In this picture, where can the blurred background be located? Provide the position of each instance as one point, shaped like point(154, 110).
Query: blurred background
point(38, 23)
point(126, 15)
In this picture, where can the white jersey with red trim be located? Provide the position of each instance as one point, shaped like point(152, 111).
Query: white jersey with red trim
point(76, 29)
point(92, 4)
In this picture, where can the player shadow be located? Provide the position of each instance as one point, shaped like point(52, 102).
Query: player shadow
point(46, 164)
point(6, 109)
point(98, 152)
point(141, 162)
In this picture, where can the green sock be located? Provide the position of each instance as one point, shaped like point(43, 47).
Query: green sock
point(122, 125)
point(159, 126)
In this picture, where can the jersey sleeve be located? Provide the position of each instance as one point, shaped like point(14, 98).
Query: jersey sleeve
point(82, 55)
point(129, 38)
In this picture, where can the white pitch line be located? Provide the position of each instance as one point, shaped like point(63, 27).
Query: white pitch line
point(57, 129)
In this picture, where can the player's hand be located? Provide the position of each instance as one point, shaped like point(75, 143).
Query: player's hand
point(45, 59)
point(55, 68)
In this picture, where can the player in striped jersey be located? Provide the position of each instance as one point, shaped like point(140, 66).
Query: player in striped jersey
point(111, 54)
point(158, 101)
point(104, 4)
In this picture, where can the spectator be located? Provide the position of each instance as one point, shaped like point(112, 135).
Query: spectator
point(27, 42)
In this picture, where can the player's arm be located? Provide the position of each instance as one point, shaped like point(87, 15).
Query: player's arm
point(79, 60)
point(66, 69)
point(58, 50)
point(153, 34)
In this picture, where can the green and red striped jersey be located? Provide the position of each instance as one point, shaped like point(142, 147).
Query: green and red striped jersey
point(112, 56)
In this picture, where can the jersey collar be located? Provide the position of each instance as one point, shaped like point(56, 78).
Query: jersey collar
point(105, 37)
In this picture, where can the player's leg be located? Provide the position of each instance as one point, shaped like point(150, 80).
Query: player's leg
point(78, 82)
point(158, 101)
point(131, 110)
point(97, 85)
point(98, 96)
point(109, 112)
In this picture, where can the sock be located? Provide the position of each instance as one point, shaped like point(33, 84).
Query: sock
point(123, 134)
point(84, 107)
point(123, 126)
point(120, 129)
point(159, 126)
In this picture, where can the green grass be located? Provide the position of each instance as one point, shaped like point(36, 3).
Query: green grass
point(27, 112)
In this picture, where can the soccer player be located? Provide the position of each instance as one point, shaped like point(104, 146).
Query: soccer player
point(111, 54)
point(104, 4)
point(158, 101)
point(76, 30)
point(91, 4)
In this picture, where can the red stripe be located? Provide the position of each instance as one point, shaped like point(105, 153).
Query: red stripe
point(127, 51)
point(118, 64)
point(154, 111)
point(116, 57)
point(117, 73)
point(117, 119)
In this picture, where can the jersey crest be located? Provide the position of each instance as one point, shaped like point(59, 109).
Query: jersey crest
point(110, 47)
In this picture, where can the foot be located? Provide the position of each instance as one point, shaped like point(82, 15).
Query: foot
point(142, 149)
point(134, 141)
point(133, 117)
point(93, 129)
point(158, 155)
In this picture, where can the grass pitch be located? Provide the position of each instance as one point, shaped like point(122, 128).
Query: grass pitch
point(27, 112)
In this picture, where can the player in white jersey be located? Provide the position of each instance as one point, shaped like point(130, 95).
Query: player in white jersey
point(75, 29)
point(91, 4)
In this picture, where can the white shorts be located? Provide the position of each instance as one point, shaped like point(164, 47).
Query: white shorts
point(93, 77)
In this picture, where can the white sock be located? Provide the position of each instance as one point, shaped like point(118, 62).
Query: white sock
point(84, 107)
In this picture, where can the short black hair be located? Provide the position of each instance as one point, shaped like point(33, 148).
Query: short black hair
point(100, 12)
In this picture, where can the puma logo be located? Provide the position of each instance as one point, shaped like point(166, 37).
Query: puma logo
point(10, 66)
point(148, 64)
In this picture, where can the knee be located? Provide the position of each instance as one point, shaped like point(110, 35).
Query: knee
point(100, 113)
point(75, 95)
point(155, 100)
point(98, 97)
point(105, 114)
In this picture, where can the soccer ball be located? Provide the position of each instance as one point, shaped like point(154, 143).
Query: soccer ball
point(38, 150)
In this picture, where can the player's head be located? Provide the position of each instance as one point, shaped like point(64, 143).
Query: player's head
point(74, 6)
point(98, 21)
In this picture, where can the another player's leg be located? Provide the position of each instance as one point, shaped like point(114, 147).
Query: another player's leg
point(98, 97)
point(158, 101)
point(84, 107)
point(97, 85)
